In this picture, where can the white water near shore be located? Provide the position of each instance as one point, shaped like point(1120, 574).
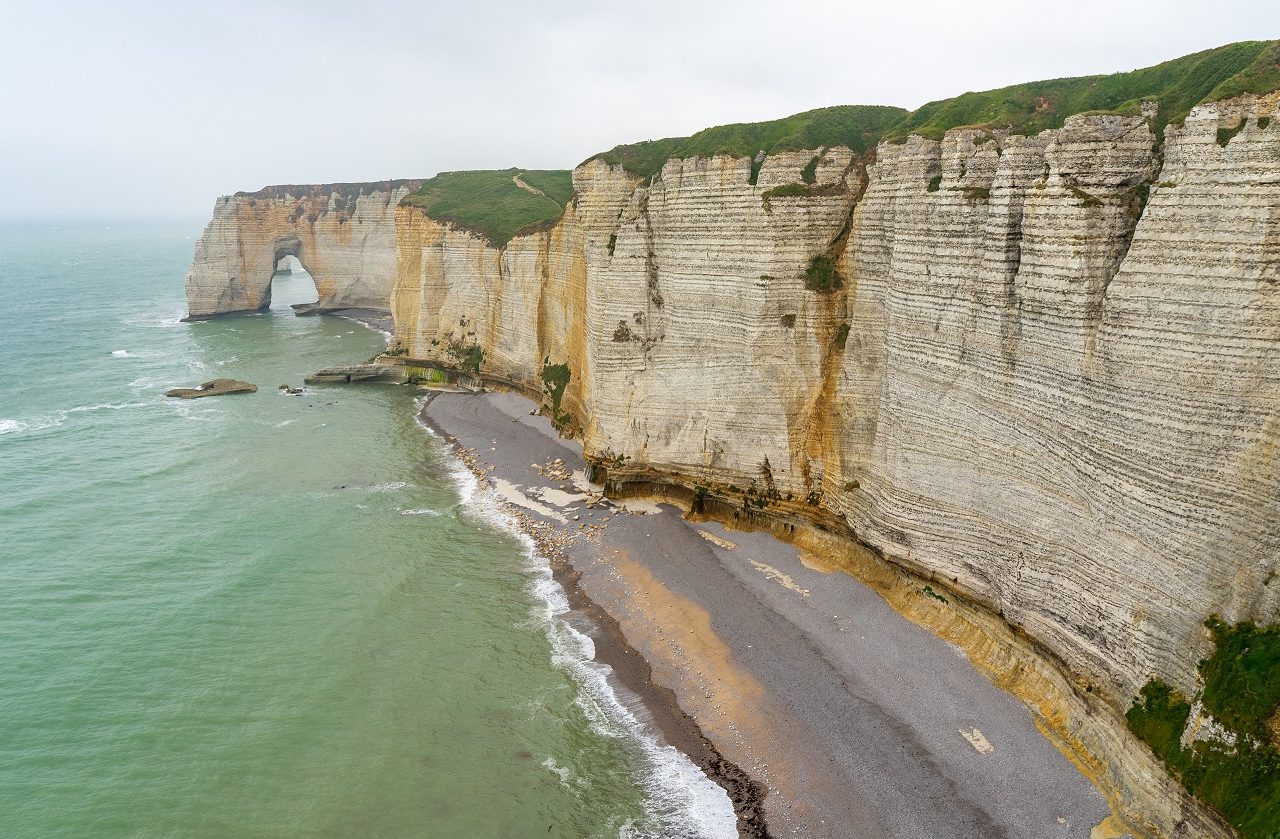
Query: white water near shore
point(682, 802)
point(240, 616)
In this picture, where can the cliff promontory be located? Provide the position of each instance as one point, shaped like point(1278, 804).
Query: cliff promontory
point(343, 234)
point(1021, 345)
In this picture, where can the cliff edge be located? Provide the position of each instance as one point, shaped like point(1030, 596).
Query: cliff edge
point(343, 234)
point(1021, 346)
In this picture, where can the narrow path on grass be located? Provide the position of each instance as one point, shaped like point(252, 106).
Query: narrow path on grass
point(516, 180)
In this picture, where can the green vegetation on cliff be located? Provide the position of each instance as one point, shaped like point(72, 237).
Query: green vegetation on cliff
point(857, 126)
point(491, 203)
point(555, 378)
point(821, 275)
point(1158, 716)
point(1242, 678)
point(468, 357)
point(1177, 85)
point(556, 183)
point(1242, 692)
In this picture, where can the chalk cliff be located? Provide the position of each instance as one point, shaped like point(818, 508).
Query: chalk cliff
point(1041, 370)
point(1050, 377)
point(343, 234)
point(1063, 400)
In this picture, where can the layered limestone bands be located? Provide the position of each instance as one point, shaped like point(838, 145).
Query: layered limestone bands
point(1046, 371)
point(1070, 398)
point(343, 234)
point(1050, 377)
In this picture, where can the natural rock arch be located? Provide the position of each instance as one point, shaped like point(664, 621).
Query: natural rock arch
point(296, 280)
point(343, 234)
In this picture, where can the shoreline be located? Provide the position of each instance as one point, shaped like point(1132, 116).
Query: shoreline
point(380, 322)
point(628, 667)
point(863, 724)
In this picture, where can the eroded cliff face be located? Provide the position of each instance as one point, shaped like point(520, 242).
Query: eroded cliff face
point(343, 234)
point(1049, 377)
point(526, 306)
point(1045, 372)
point(649, 294)
point(1065, 402)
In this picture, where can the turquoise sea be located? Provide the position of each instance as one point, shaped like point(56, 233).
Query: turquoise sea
point(271, 615)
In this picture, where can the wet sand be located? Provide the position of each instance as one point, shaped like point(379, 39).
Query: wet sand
point(786, 683)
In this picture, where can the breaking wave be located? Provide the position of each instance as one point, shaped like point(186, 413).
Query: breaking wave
point(682, 802)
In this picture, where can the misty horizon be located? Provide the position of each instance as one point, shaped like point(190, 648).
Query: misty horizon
point(161, 110)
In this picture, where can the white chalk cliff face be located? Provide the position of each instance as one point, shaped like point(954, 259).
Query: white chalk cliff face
point(1049, 378)
point(1064, 402)
point(343, 234)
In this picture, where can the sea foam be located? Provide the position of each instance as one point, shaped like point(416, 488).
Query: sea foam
point(59, 417)
point(681, 800)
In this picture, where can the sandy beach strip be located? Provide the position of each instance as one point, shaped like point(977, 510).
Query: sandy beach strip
point(820, 709)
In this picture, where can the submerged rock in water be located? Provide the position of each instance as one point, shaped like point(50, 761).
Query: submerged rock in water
point(217, 387)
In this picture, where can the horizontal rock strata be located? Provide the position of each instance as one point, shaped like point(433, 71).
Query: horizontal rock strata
point(343, 234)
point(1042, 371)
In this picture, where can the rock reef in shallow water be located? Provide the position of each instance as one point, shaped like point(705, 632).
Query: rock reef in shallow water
point(216, 387)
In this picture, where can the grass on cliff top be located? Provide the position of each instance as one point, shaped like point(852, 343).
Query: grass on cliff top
point(1242, 691)
point(1177, 85)
point(345, 190)
point(556, 183)
point(856, 126)
point(490, 203)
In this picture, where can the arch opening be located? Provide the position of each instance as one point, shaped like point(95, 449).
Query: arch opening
point(291, 285)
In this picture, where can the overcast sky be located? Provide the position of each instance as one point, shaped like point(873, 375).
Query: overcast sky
point(155, 108)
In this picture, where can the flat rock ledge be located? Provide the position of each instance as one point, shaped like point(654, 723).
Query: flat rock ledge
point(372, 371)
point(216, 387)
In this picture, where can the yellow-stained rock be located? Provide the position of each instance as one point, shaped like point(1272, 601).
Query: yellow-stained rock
point(1048, 381)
